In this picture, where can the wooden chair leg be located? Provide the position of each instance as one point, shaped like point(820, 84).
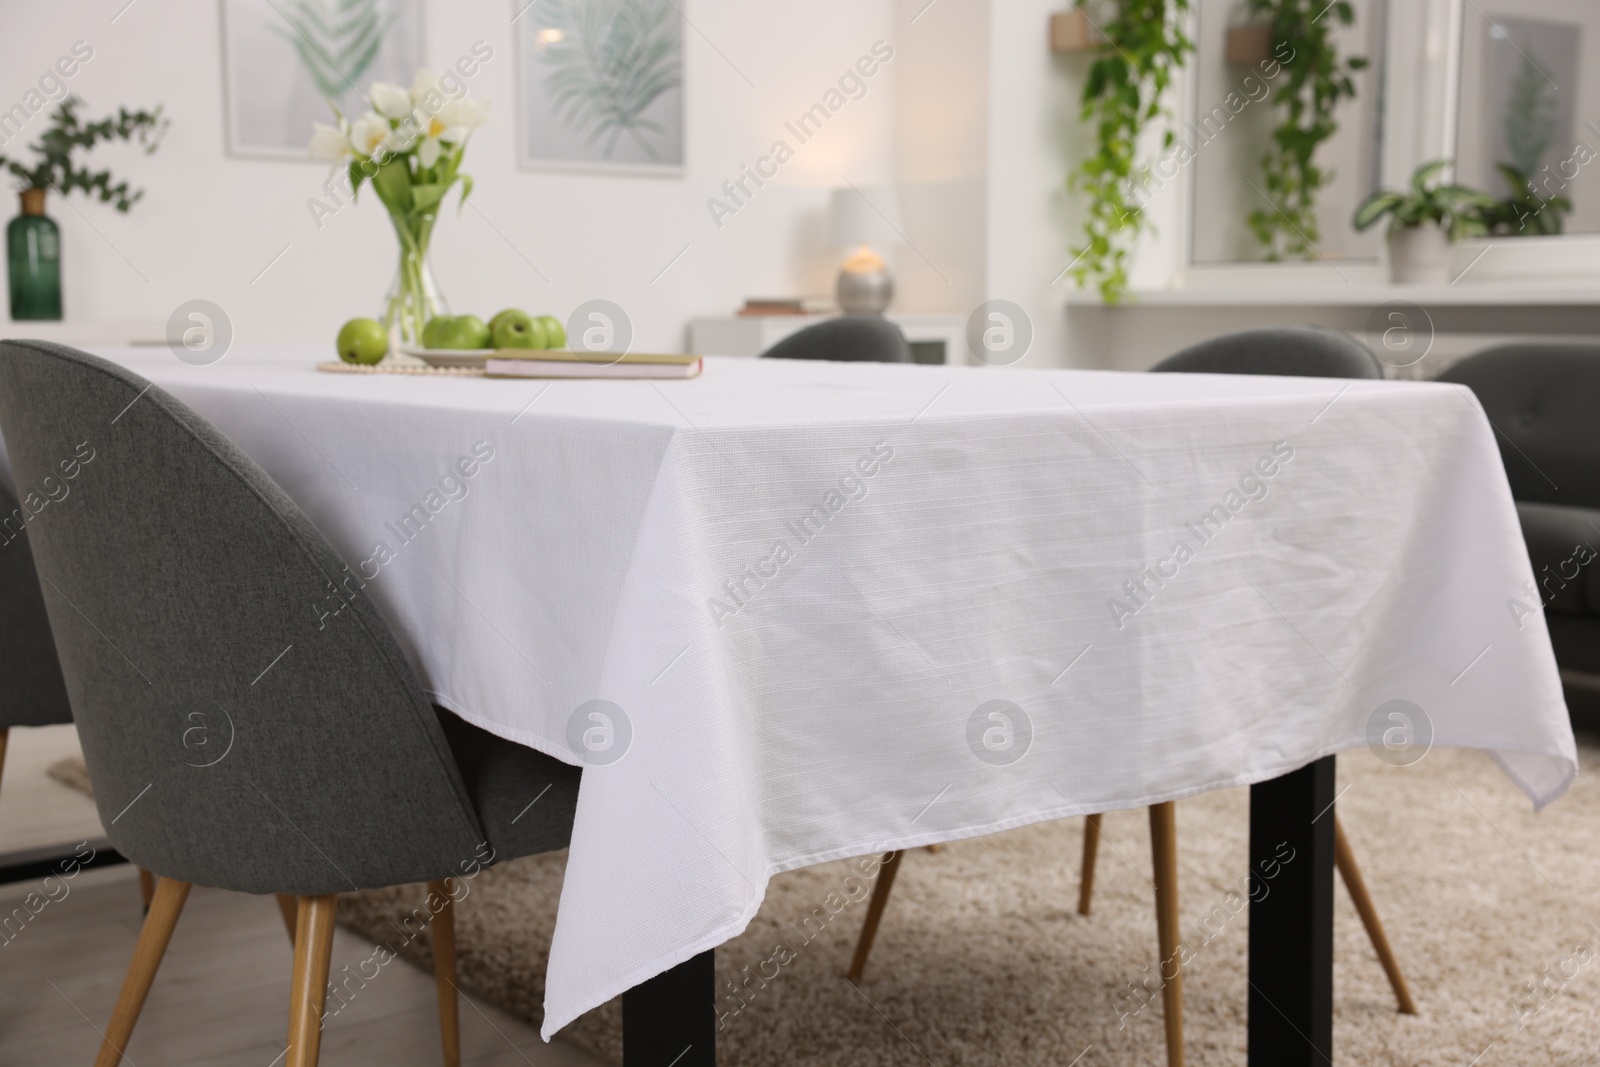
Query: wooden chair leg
point(289, 908)
point(153, 939)
point(147, 888)
point(1345, 860)
point(869, 929)
point(313, 954)
point(1164, 854)
point(1091, 848)
point(444, 972)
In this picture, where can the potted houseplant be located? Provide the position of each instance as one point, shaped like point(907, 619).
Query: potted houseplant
point(33, 241)
point(1424, 221)
point(1524, 212)
point(409, 147)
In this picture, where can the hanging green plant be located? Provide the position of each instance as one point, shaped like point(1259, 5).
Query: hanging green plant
point(1145, 42)
point(1318, 79)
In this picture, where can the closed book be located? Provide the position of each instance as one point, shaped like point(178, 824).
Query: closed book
point(627, 367)
point(598, 359)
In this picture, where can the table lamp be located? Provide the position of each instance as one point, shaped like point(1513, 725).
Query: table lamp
point(860, 219)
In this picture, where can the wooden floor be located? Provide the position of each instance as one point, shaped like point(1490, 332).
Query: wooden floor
point(34, 808)
point(222, 997)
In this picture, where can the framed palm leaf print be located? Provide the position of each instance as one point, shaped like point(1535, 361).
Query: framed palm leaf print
point(285, 59)
point(600, 84)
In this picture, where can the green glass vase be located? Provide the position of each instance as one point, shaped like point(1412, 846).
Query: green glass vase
point(33, 252)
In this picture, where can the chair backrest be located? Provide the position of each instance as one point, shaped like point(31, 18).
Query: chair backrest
point(248, 720)
point(1544, 401)
point(1291, 351)
point(32, 691)
point(849, 339)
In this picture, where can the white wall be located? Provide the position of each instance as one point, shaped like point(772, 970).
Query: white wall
point(1032, 98)
point(1035, 140)
point(942, 153)
point(209, 224)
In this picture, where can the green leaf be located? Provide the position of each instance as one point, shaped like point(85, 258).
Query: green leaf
point(1426, 173)
point(466, 191)
point(1517, 180)
point(1374, 208)
point(427, 197)
point(1095, 84)
point(392, 183)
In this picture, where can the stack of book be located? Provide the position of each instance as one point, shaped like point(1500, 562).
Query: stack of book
point(759, 306)
point(552, 363)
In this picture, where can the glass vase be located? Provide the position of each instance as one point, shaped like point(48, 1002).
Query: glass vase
point(33, 255)
point(414, 296)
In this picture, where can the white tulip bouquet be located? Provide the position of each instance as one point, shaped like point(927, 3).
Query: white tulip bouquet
point(409, 147)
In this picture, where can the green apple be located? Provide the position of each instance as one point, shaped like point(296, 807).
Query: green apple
point(362, 341)
point(471, 332)
point(460, 332)
point(434, 331)
point(518, 329)
point(501, 316)
point(555, 334)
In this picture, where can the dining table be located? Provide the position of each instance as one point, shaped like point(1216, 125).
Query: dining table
point(788, 612)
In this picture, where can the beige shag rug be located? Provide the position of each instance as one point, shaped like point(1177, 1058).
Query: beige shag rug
point(982, 959)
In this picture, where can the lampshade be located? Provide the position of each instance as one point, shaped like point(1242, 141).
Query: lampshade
point(868, 217)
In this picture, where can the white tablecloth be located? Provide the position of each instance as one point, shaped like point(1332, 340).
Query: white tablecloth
point(805, 586)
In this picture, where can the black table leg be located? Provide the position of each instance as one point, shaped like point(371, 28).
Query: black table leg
point(1291, 919)
point(671, 1020)
point(33, 864)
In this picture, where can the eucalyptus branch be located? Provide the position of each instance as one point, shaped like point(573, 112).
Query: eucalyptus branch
point(54, 167)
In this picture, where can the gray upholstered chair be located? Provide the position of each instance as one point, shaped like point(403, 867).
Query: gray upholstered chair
point(848, 339)
point(32, 691)
point(1290, 351)
point(1297, 351)
point(187, 592)
point(1544, 402)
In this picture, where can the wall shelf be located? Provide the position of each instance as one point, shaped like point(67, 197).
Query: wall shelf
point(1340, 295)
point(1071, 31)
point(1248, 43)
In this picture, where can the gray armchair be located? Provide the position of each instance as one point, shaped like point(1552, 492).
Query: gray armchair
point(180, 582)
point(848, 338)
point(1544, 403)
point(32, 691)
point(1288, 351)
